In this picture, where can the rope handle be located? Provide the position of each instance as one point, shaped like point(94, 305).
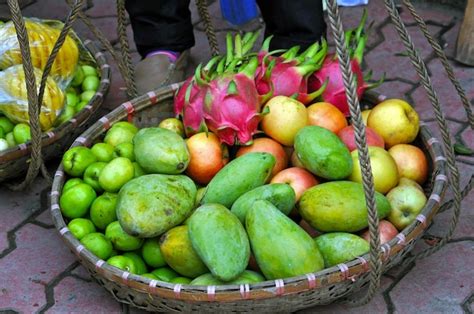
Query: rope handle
point(208, 26)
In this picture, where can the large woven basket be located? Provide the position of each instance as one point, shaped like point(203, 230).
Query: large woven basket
point(287, 294)
point(14, 161)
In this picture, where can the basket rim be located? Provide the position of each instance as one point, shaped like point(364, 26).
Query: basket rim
point(52, 136)
point(350, 270)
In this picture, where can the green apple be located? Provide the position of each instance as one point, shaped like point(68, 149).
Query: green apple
point(90, 83)
point(151, 253)
point(140, 265)
point(102, 210)
point(89, 70)
point(92, 173)
point(181, 280)
point(98, 244)
point(71, 182)
point(116, 173)
point(2, 133)
point(10, 139)
point(174, 125)
point(77, 159)
point(126, 125)
point(71, 99)
point(138, 170)
point(120, 239)
point(87, 95)
point(6, 124)
point(76, 200)
point(81, 105)
point(123, 262)
point(103, 152)
point(80, 227)
point(384, 169)
point(165, 273)
point(67, 114)
point(21, 133)
point(125, 150)
point(119, 135)
point(78, 77)
point(3, 144)
point(406, 201)
point(149, 275)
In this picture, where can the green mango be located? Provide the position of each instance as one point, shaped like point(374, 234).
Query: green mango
point(152, 204)
point(339, 206)
point(220, 240)
point(279, 194)
point(239, 176)
point(323, 153)
point(247, 277)
point(179, 254)
point(281, 248)
point(340, 247)
point(160, 150)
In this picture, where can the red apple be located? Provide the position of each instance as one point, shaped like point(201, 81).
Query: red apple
point(299, 179)
point(295, 161)
point(347, 137)
point(411, 162)
point(387, 232)
point(267, 145)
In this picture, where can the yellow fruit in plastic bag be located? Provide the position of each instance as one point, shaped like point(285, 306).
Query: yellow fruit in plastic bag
point(42, 38)
point(14, 98)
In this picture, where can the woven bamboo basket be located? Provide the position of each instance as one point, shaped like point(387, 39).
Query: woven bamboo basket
point(287, 294)
point(14, 161)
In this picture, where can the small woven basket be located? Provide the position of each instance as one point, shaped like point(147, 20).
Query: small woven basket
point(289, 294)
point(14, 161)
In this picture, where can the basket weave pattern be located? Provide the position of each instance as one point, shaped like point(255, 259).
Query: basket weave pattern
point(288, 294)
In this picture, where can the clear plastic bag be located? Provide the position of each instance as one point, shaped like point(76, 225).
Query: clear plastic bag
point(14, 99)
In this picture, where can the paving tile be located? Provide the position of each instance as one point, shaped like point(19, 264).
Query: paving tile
point(49, 9)
point(101, 9)
point(467, 135)
point(107, 25)
point(376, 305)
point(74, 295)
point(81, 272)
point(437, 284)
point(39, 257)
point(45, 218)
point(394, 89)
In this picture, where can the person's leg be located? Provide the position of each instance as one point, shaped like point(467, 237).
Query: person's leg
point(293, 22)
point(161, 24)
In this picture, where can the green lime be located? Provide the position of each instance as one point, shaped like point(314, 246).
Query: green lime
point(91, 175)
point(140, 265)
point(78, 77)
point(67, 114)
point(3, 144)
point(181, 280)
point(151, 253)
point(77, 159)
point(125, 150)
point(149, 275)
point(120, 239)
point(122, 262)
point(165, 273)
point(87, 96)
point(98, 244)
point(71, 99)
point(81, 105)
point(21, 133)
point(103, 151)
point(126, 125)
point(103, 210)
point(90, 83)
point(114, 252)
point(71, 182)
point(6, 124)
point(76, 200)
point(2, 134)
point(89, 70)
point(10, 139)
point(81, 227)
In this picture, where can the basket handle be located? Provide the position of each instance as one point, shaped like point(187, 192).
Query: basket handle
point(35, 100)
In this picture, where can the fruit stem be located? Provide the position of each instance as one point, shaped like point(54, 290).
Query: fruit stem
point(266, 44)
point(229, 47)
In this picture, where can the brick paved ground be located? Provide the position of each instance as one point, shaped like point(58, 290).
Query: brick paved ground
point(39, 274)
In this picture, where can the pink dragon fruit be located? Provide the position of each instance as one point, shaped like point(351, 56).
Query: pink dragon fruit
point(232, 106)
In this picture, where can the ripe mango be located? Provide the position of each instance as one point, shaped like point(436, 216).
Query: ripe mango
point(339, 206)
point(152, 204)
point(179, 254)
point(238, 177)
point(282, 249)
point(340, 247)
point(279, 194)
point(323, 153)
point(220, 240)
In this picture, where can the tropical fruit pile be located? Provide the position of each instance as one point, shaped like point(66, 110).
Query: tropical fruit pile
point(68, 78)
point(257, 179)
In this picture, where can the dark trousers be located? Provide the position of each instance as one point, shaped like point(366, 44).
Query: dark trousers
point(166, 24)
